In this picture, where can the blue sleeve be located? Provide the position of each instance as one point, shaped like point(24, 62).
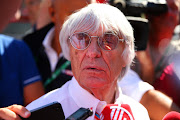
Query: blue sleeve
point(28, 67)
point(17, 69)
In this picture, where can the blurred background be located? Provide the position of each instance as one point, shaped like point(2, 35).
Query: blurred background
point(24, 19)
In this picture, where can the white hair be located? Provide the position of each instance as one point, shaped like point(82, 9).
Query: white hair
point(90, 18)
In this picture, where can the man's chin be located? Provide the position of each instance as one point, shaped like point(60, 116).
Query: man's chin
point(94, 82)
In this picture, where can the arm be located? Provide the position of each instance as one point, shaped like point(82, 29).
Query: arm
point(31, 79)
point(147, 68)
point(158, 104)
point(12, 112)
point(32, 92)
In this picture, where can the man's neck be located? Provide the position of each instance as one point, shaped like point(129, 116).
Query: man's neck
point(107, 94)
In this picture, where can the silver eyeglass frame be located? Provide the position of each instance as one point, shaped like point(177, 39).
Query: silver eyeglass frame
point(119, 40)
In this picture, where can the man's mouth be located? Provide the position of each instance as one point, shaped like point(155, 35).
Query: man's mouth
point(95, 69)
point(91, 68)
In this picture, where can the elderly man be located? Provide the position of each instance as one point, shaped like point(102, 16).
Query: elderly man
point(55, 12)
point(98, 40)
point(101, 49)
point(49, 60)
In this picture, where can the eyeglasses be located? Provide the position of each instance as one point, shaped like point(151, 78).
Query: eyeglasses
point(108, 41)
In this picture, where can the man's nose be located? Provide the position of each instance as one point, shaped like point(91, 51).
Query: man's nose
point(94, 49)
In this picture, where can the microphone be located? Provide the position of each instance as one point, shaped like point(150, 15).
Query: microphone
point(116, 112)
point(81, 114)
point(172, 116)
point(101, 1)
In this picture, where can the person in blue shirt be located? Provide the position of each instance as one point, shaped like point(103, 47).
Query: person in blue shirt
point(20, 82)
point(19, 78)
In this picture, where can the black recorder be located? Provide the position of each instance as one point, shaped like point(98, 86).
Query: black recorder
point(54, 111)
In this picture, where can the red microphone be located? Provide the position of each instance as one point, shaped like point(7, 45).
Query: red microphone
point(116, 112)
point(172, 116)
point(101, 1)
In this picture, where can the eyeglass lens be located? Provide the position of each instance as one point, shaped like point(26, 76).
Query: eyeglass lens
point(81, 41)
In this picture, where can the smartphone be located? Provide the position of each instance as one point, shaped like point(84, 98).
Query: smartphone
point(80, 114)
point(52, 111)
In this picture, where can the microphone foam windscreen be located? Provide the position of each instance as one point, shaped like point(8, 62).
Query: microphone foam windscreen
point(172, 116)
point(116, 112)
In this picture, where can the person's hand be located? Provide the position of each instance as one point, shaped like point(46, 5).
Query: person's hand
point(13, 112)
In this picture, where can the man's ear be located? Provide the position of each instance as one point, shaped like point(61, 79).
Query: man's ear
point(52, 13)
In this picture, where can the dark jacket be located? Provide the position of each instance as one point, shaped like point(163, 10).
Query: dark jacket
point(34, 41)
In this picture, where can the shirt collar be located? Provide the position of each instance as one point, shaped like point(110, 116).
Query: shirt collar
point(52, 55)
point(49, 37)
point(118, 96)
point(84, 99)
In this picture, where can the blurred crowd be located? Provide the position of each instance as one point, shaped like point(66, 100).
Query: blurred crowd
point(33, 64)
